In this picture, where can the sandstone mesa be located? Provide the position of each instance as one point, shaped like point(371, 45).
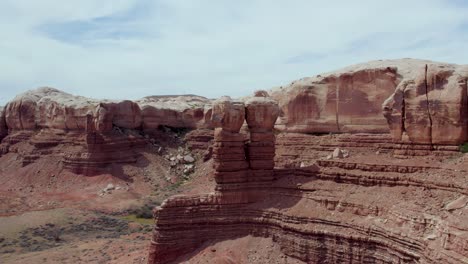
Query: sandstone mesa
point(398, 196)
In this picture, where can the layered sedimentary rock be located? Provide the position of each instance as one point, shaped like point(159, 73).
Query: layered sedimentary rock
point(239, 175)
point(103, 146)
point(261, 115)
point(230, 162)
point(96, 133)
point(362, 210)
point(365, 209)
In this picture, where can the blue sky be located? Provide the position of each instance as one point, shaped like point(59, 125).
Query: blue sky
point(127, 49)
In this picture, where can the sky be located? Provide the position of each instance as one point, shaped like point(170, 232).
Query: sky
point(128, 49)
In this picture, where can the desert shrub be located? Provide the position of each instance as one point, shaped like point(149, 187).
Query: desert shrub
point(464, 147)
point(146, 210)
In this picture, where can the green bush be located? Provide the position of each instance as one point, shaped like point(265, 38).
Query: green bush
point(464, 147)
point(145, 211)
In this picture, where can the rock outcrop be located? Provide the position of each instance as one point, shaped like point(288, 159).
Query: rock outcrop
point(229, 155)
point(184, 111)
point(239, 175)
point(270, 161)
point(51, 108)
point(350, 100)
point(361, 208)
point(430, 107)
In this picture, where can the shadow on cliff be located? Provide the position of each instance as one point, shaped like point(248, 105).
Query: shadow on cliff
point(278, 199)
point(120, 171)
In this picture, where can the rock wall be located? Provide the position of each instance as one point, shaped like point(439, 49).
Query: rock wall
point(185, 111)
point(430, 107)
point(345, 101)
point(350, 101)
point(238, 173)
point(418, 102)
point(53, 109)
point(366, 210)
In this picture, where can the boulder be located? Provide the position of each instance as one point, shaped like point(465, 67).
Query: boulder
point(261, 114)
point(458, 203)
point(261, 93)
point(228, 114)
point(189, 159)
point(337, 154)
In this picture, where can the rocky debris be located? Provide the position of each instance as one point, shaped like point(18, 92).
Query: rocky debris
point(189, 159)
point(338, 153)
point(458, 203)
point(110, 188)
point(181, 163)
point(188, 169)
point(51, 235)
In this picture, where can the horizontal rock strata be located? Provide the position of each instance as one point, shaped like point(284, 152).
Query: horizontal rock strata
point(332, 211)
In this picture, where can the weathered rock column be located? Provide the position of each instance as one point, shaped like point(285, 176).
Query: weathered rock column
point(261, 115)
point(230, 163)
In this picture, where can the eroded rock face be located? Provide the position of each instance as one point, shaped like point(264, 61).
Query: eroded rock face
point(230, 163)
point(239, 175)
point(51, 108)
point(423, 102)
point(3, 127)
point(185, 111)
point(430, 107)
point(20, 113)
point(348, 100)
point(334, 211)
point(228, 115)
point(261, 114)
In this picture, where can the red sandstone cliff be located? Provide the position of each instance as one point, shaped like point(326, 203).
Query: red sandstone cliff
point(369, 208)
point(52, 108)
point(351, 99)
point(366, 209)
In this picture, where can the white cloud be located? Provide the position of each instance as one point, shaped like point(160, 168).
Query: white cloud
point(130, 49)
